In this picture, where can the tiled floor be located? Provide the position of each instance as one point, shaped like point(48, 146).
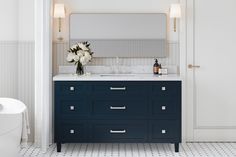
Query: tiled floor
point(135, 150)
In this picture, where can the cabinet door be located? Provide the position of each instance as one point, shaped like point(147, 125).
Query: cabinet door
point(74, 132)
point(74, 107)
point(72, 89)
point(165, 131)
point(165, 108)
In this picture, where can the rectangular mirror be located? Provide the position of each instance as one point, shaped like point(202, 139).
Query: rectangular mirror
point(121, 34)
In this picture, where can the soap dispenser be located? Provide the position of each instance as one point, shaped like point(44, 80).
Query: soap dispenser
point(156, 67)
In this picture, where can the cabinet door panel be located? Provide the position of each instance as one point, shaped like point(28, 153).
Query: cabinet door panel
point(74, 132)
point(72, 89)
point(165, 129)
point(75, 107)
point(166, 89)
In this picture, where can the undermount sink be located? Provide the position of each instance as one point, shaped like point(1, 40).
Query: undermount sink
point(117, 75)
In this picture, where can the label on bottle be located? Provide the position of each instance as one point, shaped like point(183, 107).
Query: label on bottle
point(155, 70)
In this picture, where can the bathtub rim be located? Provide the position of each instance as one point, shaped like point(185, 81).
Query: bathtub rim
point(14, 102)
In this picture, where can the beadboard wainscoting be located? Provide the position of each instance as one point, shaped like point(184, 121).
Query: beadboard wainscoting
point(8, 68)
point(17, 74)
point(26, 79)
point(60, 52)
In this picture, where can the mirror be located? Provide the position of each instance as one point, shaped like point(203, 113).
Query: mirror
point(121, 34)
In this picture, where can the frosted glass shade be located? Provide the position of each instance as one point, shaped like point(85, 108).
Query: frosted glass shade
point(59, 11)
point(175, 11)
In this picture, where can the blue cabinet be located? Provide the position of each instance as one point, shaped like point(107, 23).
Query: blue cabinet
point(118, 111)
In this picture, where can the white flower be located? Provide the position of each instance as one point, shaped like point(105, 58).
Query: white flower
point(70, 57)
point(81, 52)
point(83, 61)
point(76, 58)
point(73, 47)
point(88, 57)
point(83, 46)
point(86, 53)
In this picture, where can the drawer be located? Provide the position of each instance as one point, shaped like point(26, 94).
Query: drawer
point(120, 107)
point(164, 107)
point(74, 133)
point(72, 88)
point(165, 129)
point(114, 131)
point(120, 89)
point(74, 107)
point(166, 89)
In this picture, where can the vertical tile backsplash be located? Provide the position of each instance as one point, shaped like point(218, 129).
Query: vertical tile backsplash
point(60, 53)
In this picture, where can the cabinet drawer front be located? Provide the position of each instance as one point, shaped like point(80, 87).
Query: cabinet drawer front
point(73, 107)
point(108, 131)
point(166, 89)
point(120, 89)
point(74, 133)
point(120, 107)
point(164, 107)
point(72, 88)
point(165, 129)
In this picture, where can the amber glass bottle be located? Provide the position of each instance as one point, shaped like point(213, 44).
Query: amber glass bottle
point(156, 67)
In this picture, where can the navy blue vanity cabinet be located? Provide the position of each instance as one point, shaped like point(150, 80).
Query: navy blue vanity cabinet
point(118, 111)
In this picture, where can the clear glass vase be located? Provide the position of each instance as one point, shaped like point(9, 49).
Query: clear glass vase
point(79, 69)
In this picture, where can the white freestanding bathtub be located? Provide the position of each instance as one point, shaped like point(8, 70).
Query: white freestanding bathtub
point(11, 112)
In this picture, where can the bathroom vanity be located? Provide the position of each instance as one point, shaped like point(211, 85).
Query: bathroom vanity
point(122, 109)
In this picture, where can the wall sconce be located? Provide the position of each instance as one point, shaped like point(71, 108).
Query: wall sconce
point(175, 12)
point(59, 12)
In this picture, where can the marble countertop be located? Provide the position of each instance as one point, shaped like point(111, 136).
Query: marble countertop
point(117, 77)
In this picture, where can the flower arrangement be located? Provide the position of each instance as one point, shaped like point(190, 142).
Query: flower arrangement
point(80, 54)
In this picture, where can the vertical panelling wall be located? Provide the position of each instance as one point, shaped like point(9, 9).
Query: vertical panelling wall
point(26, 58)
point(17, 53)
point(17, 74)
point(8, 69)
point(26, 78)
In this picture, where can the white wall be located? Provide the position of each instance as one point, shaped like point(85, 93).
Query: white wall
point(127, 6)
point(26, 20)
point(9, 20)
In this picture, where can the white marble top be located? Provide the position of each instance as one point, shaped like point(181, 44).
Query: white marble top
point(116, 77)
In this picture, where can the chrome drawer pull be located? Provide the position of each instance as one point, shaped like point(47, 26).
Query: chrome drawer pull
point(72, 131)
point(163, 88)
point(163, 131)
point(117, 88)
point(117, 108)
point(117, 131)
point(163, 108)
point(72, 88)
point(72, 108)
